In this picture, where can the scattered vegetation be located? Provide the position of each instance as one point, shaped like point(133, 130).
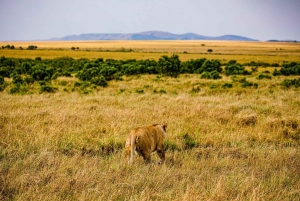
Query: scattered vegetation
point(291, 82)
point(234, 68)
point(292, 68)
point(26, 74)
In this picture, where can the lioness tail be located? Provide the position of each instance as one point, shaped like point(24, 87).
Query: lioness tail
point(133, 147)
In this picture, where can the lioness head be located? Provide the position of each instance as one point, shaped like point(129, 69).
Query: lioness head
point(145, 140)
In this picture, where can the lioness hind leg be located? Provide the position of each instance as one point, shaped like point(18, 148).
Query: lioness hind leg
point(127, 154)
point(161, 154)
point(147, 157)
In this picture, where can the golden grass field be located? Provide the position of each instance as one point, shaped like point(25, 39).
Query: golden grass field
point(243, 52)
point(222, 144)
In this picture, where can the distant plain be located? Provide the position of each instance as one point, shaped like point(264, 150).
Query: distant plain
point(243, 52)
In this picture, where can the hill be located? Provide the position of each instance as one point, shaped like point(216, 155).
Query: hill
point(150, 35)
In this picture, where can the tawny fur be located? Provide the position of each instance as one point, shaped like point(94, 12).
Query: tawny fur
point(144, 141)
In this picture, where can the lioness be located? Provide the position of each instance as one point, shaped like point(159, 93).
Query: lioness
point(144, 141)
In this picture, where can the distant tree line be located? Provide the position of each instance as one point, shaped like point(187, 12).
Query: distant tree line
point(12, 47)
point(99, 72)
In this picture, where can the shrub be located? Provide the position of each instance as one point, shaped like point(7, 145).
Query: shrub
point(99, 81)
point(139, 91)
point(264, 76)
point(41, 72)
point(1, 80)
point(19, 89)
point(107, 72)
point(189, 142)
point(276, 72)
point(192, 66)
point(210, 65)
point(234, 68)
point(249, 84)
point(161, 91)
point(118, 76)
point(211, 75)
point(131, 69)
point(46, 87)
point(17, 79)
point(2, 83)
point(172, 146)
point(227, 85)
point(32, 47)
point(28, 80)
point(5, 71)
point(63, 83)
point(169, 65)
point(292, 68)
point(289, 83)
point(258, 63)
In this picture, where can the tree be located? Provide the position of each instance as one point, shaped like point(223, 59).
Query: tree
point(169, 65)
point(41, 72)
point(192, 66)
point(211, 75)
point(32, 47)
point(210, 65)
point(234, 68)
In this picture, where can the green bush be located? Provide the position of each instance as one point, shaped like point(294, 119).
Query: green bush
point(210, 66)
point(2, 83)
point(289, 83)
point(19, 89)
point(28, 80)
point(211, 75)
point(169, 66)
point(246, 83)
point(171, 146)
point(264, 76)
point(227, 85)
point(108, 72)
point(189, 142)
point(161, 91)
point(17, 79)
point(139, 91)
point(292, 68)
point(46, 87)
point(192, 66)
point(1, 80)
point(99, 81)
point(42, 72)
point(234, 68)
point(5, 71)
point(118, 76)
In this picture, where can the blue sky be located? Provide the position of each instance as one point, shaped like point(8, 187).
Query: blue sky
point(44, 19)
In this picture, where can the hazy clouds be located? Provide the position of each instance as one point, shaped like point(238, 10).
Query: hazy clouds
point(43, 19)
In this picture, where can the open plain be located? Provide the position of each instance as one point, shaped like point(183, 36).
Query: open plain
point(225, 51)
point(235, 143)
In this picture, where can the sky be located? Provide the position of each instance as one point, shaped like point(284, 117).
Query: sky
point(45, 19)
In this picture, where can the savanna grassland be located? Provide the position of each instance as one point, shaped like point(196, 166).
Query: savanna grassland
point(225, 51)
point(225, 141)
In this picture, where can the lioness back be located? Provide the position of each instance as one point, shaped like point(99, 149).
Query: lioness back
point(144, 141)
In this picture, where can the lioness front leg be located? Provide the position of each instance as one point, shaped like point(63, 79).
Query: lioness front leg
point(147, 157)
point(161, 154)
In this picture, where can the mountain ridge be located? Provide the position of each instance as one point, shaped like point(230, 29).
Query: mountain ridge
point(150, 35)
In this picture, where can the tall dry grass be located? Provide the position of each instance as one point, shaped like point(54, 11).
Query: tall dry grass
point(222, 144)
